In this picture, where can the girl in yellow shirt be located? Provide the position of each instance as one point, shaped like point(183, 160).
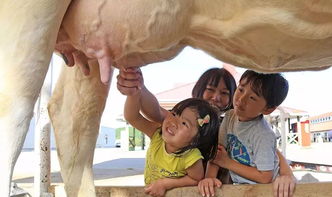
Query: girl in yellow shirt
point(188, 134)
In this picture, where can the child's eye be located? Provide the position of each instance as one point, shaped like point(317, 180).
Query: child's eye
point(185, 124)
point(210, 89)
point(252, 98)
point(174, 114)
point(225, 93)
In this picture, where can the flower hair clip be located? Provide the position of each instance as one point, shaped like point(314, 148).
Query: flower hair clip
point(202, 121)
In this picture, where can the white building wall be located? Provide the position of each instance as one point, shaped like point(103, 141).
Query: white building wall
point(106, 137)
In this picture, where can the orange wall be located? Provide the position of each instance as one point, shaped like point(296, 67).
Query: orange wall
point(305, 134)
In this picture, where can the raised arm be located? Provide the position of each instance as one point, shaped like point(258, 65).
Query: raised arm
point(150, 107)
point(133, 116)
point(130, 81)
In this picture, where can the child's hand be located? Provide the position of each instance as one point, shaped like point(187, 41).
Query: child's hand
point(156, 188)
point(206, 186)
point(284, 186)
point(130, 81)
point(222, 158)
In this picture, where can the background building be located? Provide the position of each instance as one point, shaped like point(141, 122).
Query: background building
point(321, 127)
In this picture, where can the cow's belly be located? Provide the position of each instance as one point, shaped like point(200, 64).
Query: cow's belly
point(131, 33)
point(267, 50)
point(266, 36)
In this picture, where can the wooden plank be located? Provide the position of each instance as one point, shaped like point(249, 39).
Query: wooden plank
point(323, 189)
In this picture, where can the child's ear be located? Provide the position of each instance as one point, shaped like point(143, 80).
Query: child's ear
point(269, 110)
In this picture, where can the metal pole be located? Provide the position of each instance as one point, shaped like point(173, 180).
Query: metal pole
point(42, 139)
point(125, 138)
point(283, 131)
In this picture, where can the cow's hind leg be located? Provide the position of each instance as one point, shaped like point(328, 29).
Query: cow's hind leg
point(28, 30)
point(16, 109)
point(75, 109)
point(20, 83)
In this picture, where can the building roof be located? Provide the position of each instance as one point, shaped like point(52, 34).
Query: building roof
point(321, 116)
point(167, 99)
point(292, 111)
point(177, 93)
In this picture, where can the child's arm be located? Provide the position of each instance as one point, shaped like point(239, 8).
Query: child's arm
point(284, 167)
point(159, 187)
point(284, 185)
point(206, 186)
point(222, 159)
point(130, 81)
point(132, 115)
point(150, 107)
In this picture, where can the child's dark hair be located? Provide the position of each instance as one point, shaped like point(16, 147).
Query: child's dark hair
point(212, 77)
point(206, 139)
point(273, 87)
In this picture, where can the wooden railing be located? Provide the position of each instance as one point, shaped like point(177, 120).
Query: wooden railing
point(293, 138)
point(323, 189)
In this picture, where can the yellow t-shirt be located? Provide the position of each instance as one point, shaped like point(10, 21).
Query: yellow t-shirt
point(160, 164)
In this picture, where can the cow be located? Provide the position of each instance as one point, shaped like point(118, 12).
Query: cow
point(98, 36)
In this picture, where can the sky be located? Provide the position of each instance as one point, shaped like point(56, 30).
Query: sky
point(310, 91)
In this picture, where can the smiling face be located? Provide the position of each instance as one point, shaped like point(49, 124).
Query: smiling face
point(178, 131)
point(248, 104)
point(217, 95)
